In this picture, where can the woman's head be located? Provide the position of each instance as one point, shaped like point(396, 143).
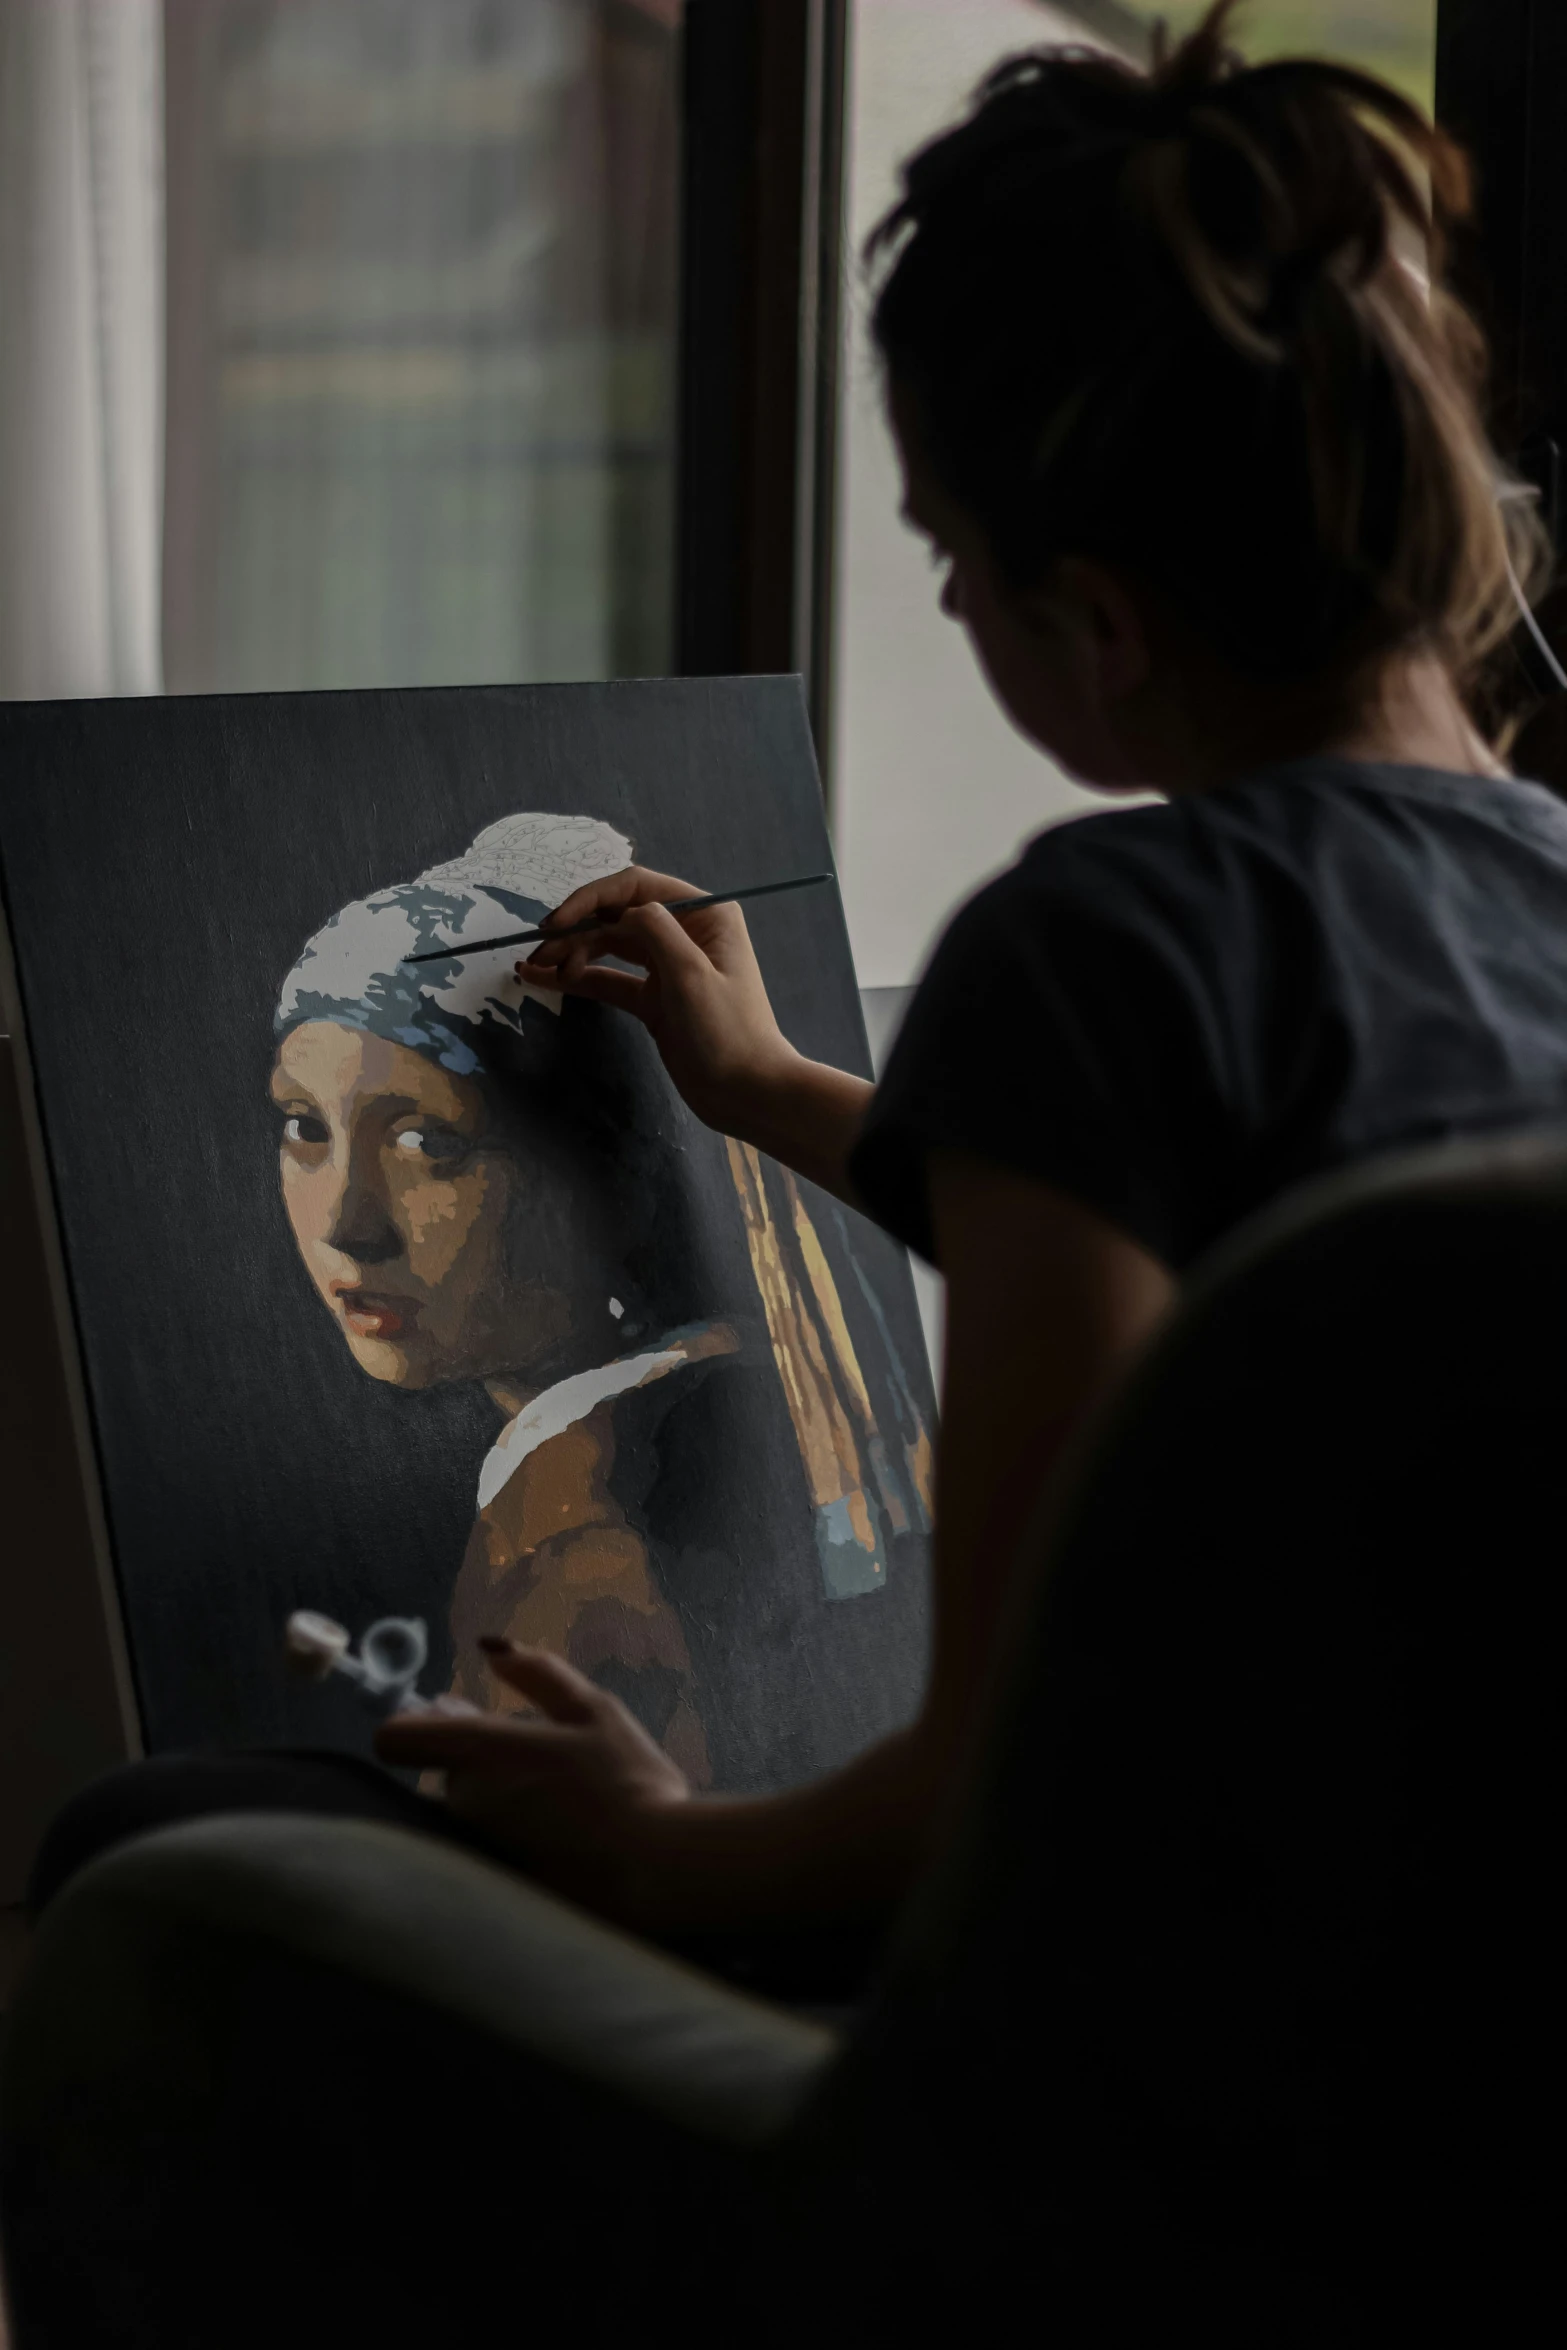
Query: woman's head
point(1187, 330)
point(450, 1139)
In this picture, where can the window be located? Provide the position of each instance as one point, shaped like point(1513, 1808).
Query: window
point(422, 329)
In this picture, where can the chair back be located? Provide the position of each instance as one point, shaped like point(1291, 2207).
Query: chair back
point(1229, 2000)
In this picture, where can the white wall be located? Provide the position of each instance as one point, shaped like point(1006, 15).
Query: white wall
point(932, 788)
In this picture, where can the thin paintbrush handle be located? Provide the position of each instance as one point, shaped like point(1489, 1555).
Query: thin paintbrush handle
point(521, 938)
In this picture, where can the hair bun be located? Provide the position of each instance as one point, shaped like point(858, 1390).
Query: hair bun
point(1162, 318)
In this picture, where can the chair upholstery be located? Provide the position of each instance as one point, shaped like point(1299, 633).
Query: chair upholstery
point(263, 2064)
point(1245, 1917)
point(1223, 2012)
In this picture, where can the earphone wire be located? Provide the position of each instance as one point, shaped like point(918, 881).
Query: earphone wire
point(1509, 492)
point(1542, 641)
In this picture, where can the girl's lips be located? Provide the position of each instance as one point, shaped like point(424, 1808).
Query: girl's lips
point(375, 1317)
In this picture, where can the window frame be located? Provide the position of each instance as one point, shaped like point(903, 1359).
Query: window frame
point(762, 262)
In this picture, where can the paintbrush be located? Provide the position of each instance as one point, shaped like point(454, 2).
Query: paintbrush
point(520, 938)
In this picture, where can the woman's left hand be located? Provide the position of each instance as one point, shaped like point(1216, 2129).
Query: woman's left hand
point(576, 1789)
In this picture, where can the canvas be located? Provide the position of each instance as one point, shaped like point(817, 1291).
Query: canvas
point(408, 1290)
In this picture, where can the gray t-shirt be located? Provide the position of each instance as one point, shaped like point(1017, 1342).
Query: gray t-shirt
point(1175, 1012)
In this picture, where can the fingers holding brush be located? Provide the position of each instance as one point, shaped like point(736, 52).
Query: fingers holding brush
point(695, 984)
point(628, 906)
point(685, 967)
point(609, 898)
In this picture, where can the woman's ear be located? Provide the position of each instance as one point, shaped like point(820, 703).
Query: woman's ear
point(1096, 620)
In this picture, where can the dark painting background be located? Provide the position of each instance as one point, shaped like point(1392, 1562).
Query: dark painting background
point(163, 863)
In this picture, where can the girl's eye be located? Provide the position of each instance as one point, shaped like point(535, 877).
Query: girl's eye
point(439, 1144)
point(300, 1128)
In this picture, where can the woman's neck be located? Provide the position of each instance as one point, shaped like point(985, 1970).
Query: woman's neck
point(1419, 720)
point(1411, 715)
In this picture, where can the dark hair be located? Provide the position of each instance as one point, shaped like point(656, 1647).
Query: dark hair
point(1160, 318)
point(580, 1093)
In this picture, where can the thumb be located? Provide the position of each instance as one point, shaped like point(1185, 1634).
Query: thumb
point(556, 1688)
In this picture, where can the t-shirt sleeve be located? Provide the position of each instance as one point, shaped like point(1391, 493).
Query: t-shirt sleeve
point(1066, 1030)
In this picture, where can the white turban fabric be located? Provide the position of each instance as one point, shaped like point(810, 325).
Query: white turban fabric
point(354, 971)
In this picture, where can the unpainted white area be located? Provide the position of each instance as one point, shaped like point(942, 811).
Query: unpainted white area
point(539, 857)
point(933, 790)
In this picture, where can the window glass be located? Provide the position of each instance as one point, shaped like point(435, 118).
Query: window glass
point(422, 337)
point(1395, 38)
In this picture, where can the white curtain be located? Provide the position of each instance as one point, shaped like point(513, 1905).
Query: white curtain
point(81, 346)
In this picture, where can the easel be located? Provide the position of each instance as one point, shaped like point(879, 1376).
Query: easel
point(67, 1708)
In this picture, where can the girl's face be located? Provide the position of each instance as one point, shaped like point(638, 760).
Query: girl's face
point(411, 1217)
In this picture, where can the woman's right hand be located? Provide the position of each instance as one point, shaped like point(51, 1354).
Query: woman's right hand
point(698, 990)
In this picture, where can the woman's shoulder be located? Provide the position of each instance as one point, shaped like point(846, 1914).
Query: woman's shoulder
point(1116, 869)
point(1289, 816)
point(1165, 861)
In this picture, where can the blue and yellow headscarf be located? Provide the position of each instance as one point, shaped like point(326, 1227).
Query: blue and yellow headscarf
point(354, 970)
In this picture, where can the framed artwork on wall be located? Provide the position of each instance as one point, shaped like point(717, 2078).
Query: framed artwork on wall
point(404, 1289)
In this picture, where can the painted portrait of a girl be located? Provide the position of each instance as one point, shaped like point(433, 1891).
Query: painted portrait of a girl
point(705, 1446)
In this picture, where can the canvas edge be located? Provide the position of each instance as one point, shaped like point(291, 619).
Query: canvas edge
point(86, 1597)
point(799, 704)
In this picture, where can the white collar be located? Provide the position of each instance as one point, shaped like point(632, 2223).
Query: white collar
point(570, 1400)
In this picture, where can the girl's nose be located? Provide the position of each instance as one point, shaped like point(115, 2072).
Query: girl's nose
point(362, 1227)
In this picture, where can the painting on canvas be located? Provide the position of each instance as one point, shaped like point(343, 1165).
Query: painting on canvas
point(406, 1288)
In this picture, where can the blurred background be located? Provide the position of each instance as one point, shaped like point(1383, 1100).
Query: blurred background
point(1395, 38)
point(380, 342)
point(343, 344)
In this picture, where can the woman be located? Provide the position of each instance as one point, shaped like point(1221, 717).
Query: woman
point(485, 1188)
point(1197, 449)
